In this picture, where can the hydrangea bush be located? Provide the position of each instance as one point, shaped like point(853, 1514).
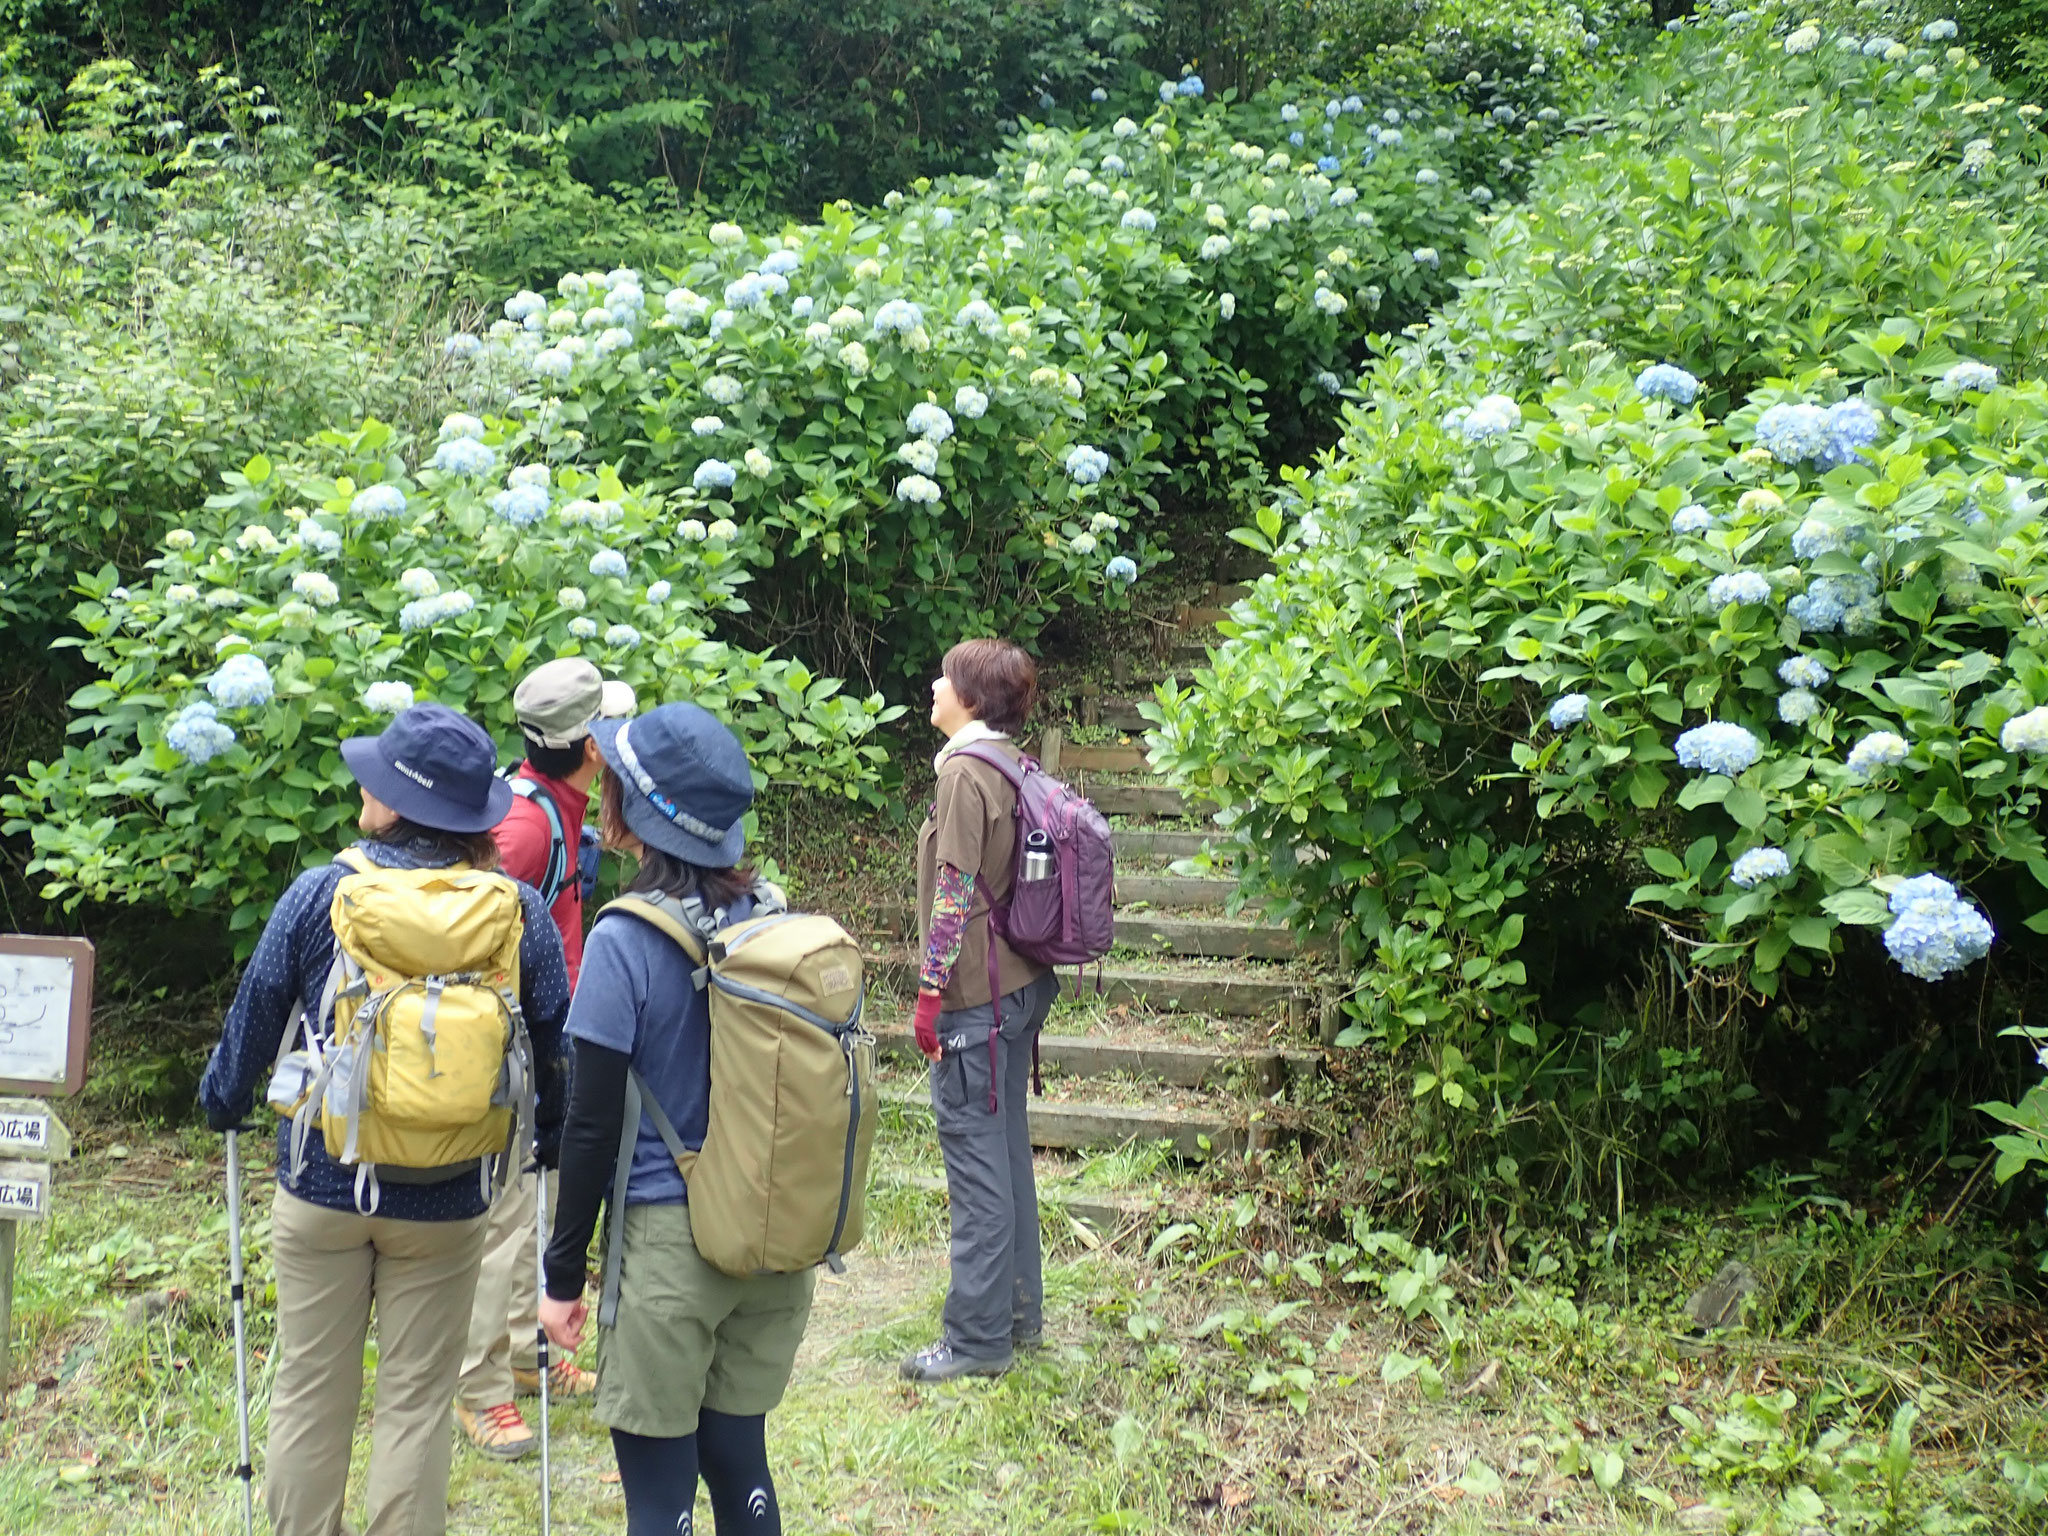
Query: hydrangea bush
point(1152, 293)
point(1739, 662)
point(314, 598)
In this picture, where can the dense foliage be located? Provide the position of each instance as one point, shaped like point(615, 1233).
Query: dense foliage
point(313, 596)
point(1674, 598)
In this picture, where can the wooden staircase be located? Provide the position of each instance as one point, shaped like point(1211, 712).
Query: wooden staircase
point(1199, 1017)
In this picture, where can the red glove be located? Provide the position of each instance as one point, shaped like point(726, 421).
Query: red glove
point(927, 1024)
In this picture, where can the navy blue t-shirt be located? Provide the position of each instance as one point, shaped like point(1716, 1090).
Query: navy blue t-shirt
point(636, 996)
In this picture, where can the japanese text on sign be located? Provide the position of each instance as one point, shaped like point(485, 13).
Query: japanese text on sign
point(35, 1017)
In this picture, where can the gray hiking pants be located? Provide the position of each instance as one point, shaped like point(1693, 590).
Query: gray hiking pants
point(998, 1286)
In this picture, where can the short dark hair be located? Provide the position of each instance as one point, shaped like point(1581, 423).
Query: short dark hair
point(479, 850)
point(554, 762)
point(663, 874)
point(995, 680)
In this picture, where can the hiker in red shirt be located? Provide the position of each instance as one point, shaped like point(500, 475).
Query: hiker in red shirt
point(539, 842)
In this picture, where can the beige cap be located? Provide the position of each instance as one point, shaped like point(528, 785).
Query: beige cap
point(556, 702)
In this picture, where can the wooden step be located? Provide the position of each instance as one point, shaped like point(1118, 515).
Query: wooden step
point(1173, 890)
point(1195, 650)
point(1217, 939)
point(1218, 994)
point(1178, 1066)
point(1118, 715)
point(1079, 1126)
point(1110, 759)
point(1108, 1213)
point(1228, 592)
point(1164, 843)
point(1144, 800)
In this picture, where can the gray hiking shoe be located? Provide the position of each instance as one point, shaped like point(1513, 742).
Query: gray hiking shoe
point(942, 1362)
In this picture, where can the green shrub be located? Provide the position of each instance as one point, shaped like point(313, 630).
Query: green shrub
point(1157, 293)
point(349, 610)
point(1463, 566)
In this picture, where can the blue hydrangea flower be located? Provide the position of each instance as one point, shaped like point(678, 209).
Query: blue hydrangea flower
point(523, 304)
point(622, 637)
point(1876, 752)
point(1140, 219)
point(243, 682)
point(1793, 433)
point(1098, 94)
point(1718, 747)
point(1492, 419)
point(1935, 932)
point(1826, 603)
point(1168, 90)
point(1122, 569)
point(608, 562)
point(1086, 465)
point(378, 501)
point(899, 315)
point(1798, 706)
point(582, 628)
point(970, 402)
point(521, 505)
point(1329, 165)
point(195, 735)
point(388, 698)
point(1739, 587)
point(1977, 376)
point(461, 346)
point(1191, 85)
point(929, 422)
point(1666, 381)
point(1815, 538)
point(781, 263)
point(1758, 865)
point(1329, 383)
point(1852, 424)
point(1804, 672)
point(459, 424)
point(1692, 519)
point(1297, 138)
point(658, 592)
point(1567, 710)
point(714, 474)
point(2026, 733)
point(464, 456)
point(324, 543)
point(1938, 31)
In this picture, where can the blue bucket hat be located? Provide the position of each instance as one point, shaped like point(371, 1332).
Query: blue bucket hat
point(436, 768)
point(684, 781)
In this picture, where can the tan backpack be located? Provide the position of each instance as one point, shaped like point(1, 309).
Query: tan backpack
point(780, 1182)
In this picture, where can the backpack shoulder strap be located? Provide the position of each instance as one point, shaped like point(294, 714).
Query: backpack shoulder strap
point(556, 874)
point(657, 914)
point(356, 861)
point(1013, 768)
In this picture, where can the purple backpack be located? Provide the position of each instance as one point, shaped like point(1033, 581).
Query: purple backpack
point(1067, 915)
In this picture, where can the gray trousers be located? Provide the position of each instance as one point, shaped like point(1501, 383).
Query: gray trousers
point(998, 1285)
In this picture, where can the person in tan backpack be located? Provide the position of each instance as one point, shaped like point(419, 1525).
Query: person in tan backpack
point(378, 1224)
point(691, 1358)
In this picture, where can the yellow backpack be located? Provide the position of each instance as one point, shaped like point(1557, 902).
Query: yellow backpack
point(416, 1065)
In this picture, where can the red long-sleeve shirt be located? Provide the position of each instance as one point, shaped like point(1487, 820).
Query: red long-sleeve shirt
point(522, 839)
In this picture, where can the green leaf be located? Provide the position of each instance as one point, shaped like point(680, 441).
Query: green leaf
point(1811, 932)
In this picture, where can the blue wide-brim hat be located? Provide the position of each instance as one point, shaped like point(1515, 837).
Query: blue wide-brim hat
point(436, 768)
point(684, 781)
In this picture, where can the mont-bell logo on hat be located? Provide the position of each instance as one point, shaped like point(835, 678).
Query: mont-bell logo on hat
point(412, 773)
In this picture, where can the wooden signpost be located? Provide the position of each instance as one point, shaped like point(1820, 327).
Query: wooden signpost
point(45, 1019)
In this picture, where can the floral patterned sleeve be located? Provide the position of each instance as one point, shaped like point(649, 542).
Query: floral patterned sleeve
point(952, 906)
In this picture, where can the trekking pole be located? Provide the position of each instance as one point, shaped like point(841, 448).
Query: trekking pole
point(540, 1260)
point(244, 1470)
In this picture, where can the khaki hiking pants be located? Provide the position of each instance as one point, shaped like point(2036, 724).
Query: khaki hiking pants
point(506, 1312)
point(330, 1266)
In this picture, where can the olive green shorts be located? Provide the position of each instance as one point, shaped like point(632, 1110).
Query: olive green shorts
point(688, 1337)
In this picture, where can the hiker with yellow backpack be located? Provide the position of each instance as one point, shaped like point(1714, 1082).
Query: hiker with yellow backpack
point(405, 1004)
point(722, 1109)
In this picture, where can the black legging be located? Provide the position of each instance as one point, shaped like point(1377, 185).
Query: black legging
point(659, 1478)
